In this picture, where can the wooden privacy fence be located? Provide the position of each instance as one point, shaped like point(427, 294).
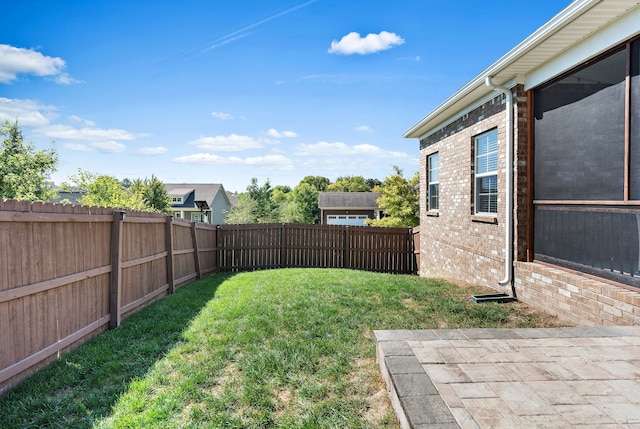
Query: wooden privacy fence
point(264, 246)
point(68, 273)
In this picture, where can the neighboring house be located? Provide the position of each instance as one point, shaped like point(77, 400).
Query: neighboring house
point(348, 208)
point(535, 187)
point(233, 198)
point(199, 202)
point(67, 197)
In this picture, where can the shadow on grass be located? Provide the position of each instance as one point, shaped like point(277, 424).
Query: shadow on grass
point(85, 384)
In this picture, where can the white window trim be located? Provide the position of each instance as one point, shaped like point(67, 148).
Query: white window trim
point(477, 175)
point(435, 182)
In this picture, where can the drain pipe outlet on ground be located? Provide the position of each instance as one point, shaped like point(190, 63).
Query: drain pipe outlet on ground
point(508, 189)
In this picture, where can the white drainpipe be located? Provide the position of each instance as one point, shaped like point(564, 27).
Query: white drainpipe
point(508, 245)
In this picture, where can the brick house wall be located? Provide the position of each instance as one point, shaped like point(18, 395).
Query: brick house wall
point(456, 244)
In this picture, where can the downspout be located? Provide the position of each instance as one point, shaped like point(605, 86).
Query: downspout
point(508, 245)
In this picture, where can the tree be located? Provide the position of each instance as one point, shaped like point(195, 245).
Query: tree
point(107, 191)
point(306, 198)
point(349, 184)
point(154, 195)
point(372, 183)
point(281, 194)
point(267, 210)
point(318, 182)
point(99, 190)
point(24, 171)
point(245, 211)
point(399, 198)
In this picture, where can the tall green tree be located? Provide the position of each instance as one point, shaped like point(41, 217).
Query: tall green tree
point(245, 211)
point(399, 198)
point(281, 194)
point(318, 182)
point(97, 190)
point(349, 184)
point(107, 191)
point(305, 197)
point(267, 209)
point(154, 195)
point(24, 171)
point(372, 183)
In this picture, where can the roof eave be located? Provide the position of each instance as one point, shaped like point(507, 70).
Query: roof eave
point(558, 22)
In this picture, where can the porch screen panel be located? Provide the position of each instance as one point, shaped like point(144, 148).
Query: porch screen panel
point(583, 218)
point(602, 241)
point(579, 134)
point(634, 140)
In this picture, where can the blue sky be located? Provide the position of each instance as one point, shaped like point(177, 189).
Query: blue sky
point(225, 91)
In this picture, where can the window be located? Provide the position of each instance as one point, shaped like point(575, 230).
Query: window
point(433, 177)
point(176, 200)
point(198, 217)
point(486, 173)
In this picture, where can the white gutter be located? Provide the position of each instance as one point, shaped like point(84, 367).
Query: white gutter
point(508, 245)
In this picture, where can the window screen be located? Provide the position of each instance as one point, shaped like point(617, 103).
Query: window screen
point(433, 165)
point(486, 172)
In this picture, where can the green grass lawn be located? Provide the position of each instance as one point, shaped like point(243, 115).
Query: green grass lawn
point(284, 348)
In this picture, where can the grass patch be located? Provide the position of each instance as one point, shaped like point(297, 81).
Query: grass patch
point(281, 348)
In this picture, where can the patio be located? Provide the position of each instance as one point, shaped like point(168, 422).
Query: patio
point(583, 377)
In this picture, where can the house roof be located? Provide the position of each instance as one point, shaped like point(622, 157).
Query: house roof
point(203, 191)
point(72, 196)
point(233, 198)
point(351, 200)
point(575, 24)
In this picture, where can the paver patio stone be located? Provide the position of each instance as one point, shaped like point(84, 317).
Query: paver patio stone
point(549, 378)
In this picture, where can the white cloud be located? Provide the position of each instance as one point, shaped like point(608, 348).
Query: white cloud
point(364, 129)
point(230, 143)
point(109, 146)
point(222, 115)
point(66, 132)
point(29, 113)
point(15, 61)
point(153, 150)
point(78, 147)
point(280, 134)
point(353, 43)
point(88, 138)
point(79, 120)
point(416, 58)
point(342, 149)
point(277, 162)
point(66, 79)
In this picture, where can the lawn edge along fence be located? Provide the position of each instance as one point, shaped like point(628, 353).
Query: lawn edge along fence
point(68, 273)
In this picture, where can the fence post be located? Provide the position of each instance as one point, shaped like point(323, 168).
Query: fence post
point(115, 292)
point(168, 234)
point(196, 253)
point(217, 252)
point(283, 228)
point(415, 249)
point(345, 257)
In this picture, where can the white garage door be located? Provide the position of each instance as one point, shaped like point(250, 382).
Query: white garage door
point(346, 220)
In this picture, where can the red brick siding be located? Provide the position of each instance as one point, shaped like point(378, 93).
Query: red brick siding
point(457, 245)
